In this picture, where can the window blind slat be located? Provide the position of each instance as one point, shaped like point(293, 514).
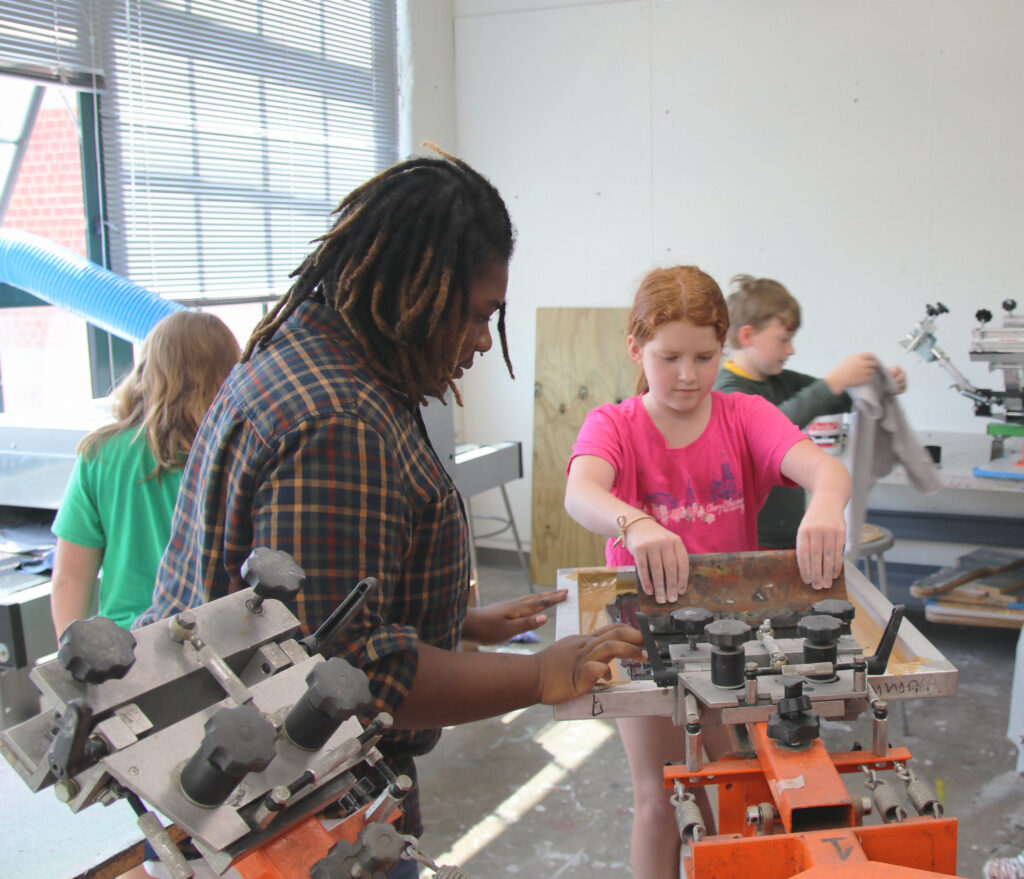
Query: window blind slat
point(49, 41)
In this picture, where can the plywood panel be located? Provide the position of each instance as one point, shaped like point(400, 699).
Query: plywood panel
point(581, 362)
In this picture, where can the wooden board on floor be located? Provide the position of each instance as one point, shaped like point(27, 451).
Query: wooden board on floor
point(984, 587)
point(981, 564)
point(581, 363)
point(995, 591)
point(973, 615)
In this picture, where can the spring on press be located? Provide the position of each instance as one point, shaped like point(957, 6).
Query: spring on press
point(924, 799)
point(888, 803)
point(688, 817)
point(921, 795)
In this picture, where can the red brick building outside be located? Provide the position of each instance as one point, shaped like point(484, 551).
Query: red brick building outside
point(44, 362)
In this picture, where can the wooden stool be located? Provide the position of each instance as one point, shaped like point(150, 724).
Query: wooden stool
point(874, 541)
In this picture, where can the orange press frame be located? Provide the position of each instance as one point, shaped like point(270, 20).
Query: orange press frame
point(293, 854)
point(817, 834)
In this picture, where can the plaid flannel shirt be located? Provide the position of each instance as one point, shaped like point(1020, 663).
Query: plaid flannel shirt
point(305, 450)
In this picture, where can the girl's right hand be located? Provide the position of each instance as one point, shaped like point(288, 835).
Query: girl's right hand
point(662, 562)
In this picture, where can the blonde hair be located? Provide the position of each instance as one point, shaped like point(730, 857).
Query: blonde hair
point(756, 302)
point(182, 364)
point(678, 293)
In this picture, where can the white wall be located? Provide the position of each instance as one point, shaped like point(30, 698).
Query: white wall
point(426, 74)
point(867, 155)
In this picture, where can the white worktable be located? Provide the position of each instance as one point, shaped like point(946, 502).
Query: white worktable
point(962, 494)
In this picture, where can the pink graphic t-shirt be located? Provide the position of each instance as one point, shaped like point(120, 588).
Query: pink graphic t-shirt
point(708, 492)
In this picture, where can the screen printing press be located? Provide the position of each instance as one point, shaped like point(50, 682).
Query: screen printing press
point(227, 733)
point(751, 646)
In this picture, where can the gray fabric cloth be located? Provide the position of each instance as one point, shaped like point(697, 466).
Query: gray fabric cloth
point(881, 437)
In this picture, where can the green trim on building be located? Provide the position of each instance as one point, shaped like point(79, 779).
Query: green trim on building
point(110, 357)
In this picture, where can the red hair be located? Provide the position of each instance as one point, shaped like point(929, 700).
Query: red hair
point(679, 293)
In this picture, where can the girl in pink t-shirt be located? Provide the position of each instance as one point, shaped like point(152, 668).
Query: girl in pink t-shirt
point(679, 469)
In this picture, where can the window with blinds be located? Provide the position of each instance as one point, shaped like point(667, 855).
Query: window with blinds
point(230, 131)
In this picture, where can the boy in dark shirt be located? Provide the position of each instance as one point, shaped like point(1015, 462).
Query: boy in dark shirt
point(763, 319)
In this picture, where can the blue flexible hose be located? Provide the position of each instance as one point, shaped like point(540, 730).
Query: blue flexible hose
point(63, 278)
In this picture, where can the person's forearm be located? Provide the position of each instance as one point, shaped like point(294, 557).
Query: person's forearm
point(75, 569)
point(813, 400)
point(597, 510)
point(834, 382)
point(69, 601)
point(469, 626)
point(829, 484)
point(452, 687)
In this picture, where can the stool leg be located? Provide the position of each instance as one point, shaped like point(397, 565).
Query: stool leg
point(515, 534)
point(883, 578)
point(865, 561)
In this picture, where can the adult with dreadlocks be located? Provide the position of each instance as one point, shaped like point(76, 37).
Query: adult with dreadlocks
point(317, 447)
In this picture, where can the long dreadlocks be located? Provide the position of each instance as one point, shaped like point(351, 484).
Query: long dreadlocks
point(397, 266)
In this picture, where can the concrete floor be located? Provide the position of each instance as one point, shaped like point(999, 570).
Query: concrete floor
point(525, 795)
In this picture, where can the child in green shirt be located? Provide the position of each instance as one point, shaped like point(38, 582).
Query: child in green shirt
point(763, 319)
point(116, 509)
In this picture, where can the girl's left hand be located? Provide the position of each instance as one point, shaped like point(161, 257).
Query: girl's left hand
point(820, 542)
point(497, 623)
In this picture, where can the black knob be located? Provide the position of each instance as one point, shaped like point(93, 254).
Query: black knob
point(793, 724)
point(838, 608)
point(96, 650)
point(820, 629)
point(727, 638)
point(377, 851)
point(691, 621)
point(728, 634)
point(342, 856)
point(237, 741)
point(383, 843)
point(1009, 304)
point(821, 642)
point(336, 691)
point(983, 315)
point(273, 573)
point(793, 700)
